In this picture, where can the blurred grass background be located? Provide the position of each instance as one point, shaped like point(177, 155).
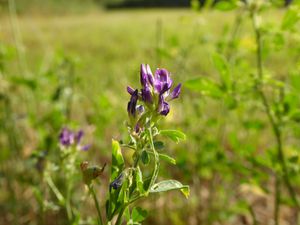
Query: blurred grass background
point(106, 49)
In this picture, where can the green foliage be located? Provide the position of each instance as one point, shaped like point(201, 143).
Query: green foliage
point(117, 164)
point(174, 135)
point(169, 185)
point(290, 19)
point(225, 5)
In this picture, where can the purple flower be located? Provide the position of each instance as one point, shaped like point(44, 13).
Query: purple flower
point(140, 109)
point(175, 93)
point(155, 92)
point(162, 82)
point(147, 95)
point(131, 106)
point(146, 76)
point(85, 147)
point(130, 90)
point(78, 136)
point(117, 182)
point(163, 107)
point(68, 138)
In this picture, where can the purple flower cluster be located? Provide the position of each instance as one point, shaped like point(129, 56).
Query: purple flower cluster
point(155, 92)
point(69, 138)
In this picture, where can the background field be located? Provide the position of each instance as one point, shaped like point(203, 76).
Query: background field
point(94, 54)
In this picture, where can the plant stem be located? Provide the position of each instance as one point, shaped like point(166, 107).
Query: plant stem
point(275, 125)
point(119, 218)
point(156, 158)
point(254, 220)
point(100, 221)
point(55, 190)
point(277, 200)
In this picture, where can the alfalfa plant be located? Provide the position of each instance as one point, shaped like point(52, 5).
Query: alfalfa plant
point(137, 179)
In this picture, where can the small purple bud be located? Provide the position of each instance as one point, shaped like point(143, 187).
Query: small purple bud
point(140, 109)
point(163, 107)
point(85, 147)
point(131, 107)
point(137, 128)
point(117, 182)
point(176, 91)
point(130, 90)
point(166, 109)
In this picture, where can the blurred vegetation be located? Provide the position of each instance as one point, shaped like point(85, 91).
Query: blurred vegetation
point(73, 70)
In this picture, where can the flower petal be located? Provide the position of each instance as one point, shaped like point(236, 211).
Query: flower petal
point(146, 95)
point(143, 75)
point(130, 90)
point(176, 91)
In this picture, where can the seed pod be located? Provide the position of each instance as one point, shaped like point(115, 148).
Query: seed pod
point(90, 173)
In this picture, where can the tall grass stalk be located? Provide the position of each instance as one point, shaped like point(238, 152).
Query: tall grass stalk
point(275, 124)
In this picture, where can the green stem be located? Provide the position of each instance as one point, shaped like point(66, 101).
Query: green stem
point(55, 190)
point(156, 159)
point(68, 203)
point(100, 221)
point(275, 126)
point(277, 200)
point(254, 220)
point(119, 218)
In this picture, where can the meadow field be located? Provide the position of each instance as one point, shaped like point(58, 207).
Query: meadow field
point(238, 107)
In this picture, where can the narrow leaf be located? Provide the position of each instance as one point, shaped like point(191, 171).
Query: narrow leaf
point(174, 135)
point(168, 185)
point(167, 158)
point(117, 160)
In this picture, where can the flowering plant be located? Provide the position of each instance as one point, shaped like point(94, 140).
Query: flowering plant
point(131, 183)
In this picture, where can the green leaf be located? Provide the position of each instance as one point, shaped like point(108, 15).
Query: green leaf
point(117, 160)
point(168, 185)
point(167, 158)
point(225, 5)
point(290, 18)
point(139, 180)
point(223, 68)
point(138, 214)
point(145, 157)
point(204, 86)
point(174, 135)
point(123, 195)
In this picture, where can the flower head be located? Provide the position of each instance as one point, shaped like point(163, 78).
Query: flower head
point(68, 138)
point(155, 90)
point(152, 99)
